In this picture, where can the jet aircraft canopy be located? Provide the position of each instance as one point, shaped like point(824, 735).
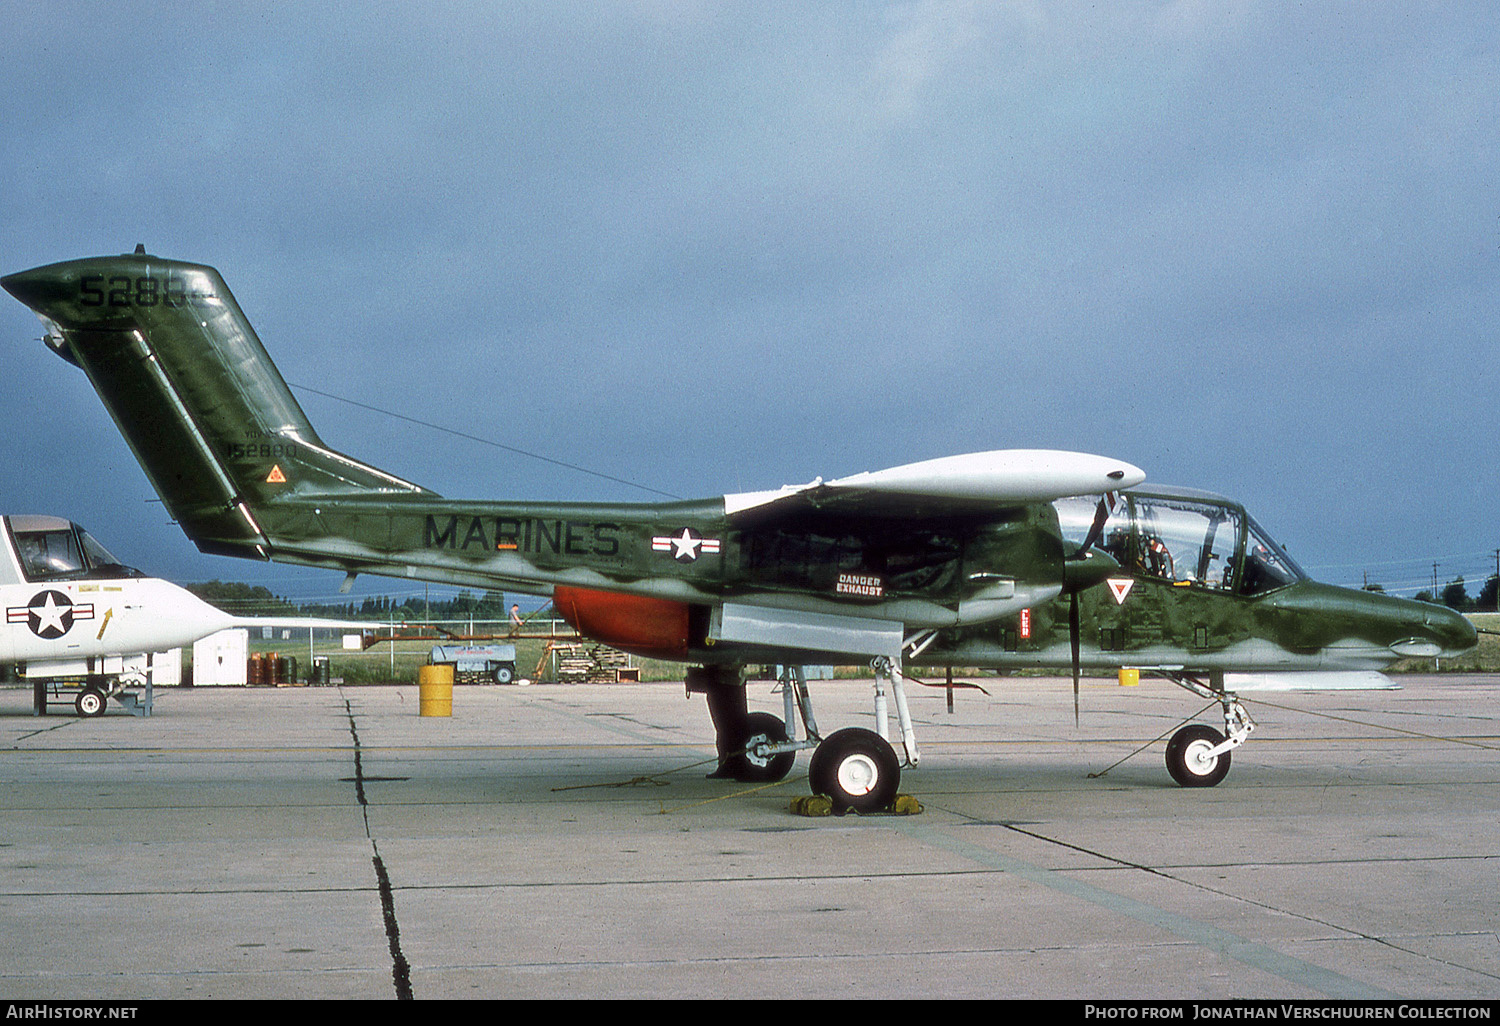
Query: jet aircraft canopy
point(1186, 538)
point(54, 549)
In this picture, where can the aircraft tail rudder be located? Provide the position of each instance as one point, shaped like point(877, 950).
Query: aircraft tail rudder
point(194, 392)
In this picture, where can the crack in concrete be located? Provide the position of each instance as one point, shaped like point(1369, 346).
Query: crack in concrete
point(400, 968)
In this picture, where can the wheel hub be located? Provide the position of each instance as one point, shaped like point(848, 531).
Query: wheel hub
point(755, 751)
point(858, 774)
point(1198, 758)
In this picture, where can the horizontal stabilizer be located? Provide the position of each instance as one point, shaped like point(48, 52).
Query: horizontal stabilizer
point(1321, 680)
point(303, 623)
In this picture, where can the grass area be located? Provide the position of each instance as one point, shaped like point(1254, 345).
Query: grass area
point(398, 662)
point(384, 663)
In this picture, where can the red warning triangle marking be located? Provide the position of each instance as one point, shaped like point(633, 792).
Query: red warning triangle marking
point(276, 476)
point(1120, 588)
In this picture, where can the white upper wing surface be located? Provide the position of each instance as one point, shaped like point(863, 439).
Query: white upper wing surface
point(999, 476)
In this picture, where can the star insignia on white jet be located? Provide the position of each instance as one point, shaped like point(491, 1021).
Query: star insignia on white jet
point(686, 546)
point(50, 614)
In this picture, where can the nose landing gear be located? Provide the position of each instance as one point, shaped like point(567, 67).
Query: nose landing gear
point(1191, 759)
point(1198, 755)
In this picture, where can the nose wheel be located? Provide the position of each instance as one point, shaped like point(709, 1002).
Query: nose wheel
point(1198, 755)
point(1193, 756)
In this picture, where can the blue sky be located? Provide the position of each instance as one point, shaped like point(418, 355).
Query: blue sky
point(1250, 248)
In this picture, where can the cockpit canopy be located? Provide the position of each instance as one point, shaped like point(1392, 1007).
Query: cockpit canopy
point(54, 549)
point(1185, 538)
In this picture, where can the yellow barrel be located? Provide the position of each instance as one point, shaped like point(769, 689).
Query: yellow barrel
point(1129, 676)
point(435, 690)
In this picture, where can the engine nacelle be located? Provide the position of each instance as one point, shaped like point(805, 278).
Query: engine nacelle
point(651, 627)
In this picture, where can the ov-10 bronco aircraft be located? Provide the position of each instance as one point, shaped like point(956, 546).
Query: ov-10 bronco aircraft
point(1007, 559)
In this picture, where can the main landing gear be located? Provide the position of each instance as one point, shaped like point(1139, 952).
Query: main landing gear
point(1198, 755)
point(856, 769)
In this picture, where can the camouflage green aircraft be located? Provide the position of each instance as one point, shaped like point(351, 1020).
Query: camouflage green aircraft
point(1008, 559)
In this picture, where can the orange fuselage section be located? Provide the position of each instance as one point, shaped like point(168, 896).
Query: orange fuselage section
point(651, 627)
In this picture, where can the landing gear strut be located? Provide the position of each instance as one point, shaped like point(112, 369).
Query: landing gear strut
point(855, 768)
point(753, 747)
point(1198, 755)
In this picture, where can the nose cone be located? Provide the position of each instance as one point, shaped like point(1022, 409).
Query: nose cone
point(1320, 616)
point(1449, 631)
point(1421, 629)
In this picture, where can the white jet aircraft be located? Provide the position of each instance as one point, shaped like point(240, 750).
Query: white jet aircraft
point(72, 610)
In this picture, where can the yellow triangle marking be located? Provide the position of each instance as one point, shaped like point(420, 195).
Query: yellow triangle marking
point(276, 476)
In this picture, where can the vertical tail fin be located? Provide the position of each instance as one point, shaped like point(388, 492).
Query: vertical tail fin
point(192, 389)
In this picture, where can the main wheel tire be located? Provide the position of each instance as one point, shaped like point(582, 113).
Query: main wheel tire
point(1188, 760)
point(857, 769)
point(750, 768)
point(90, 702)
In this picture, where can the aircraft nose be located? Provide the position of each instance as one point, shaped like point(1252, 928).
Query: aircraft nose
point(1455, 631)
point(1401, 626)
point(1440, 632)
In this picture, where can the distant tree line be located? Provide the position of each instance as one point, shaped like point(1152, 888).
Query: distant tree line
point(1455, 595)
point(243, 599)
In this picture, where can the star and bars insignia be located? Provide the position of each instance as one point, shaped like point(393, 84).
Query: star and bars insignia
point(687, 546)
point(50, 614)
